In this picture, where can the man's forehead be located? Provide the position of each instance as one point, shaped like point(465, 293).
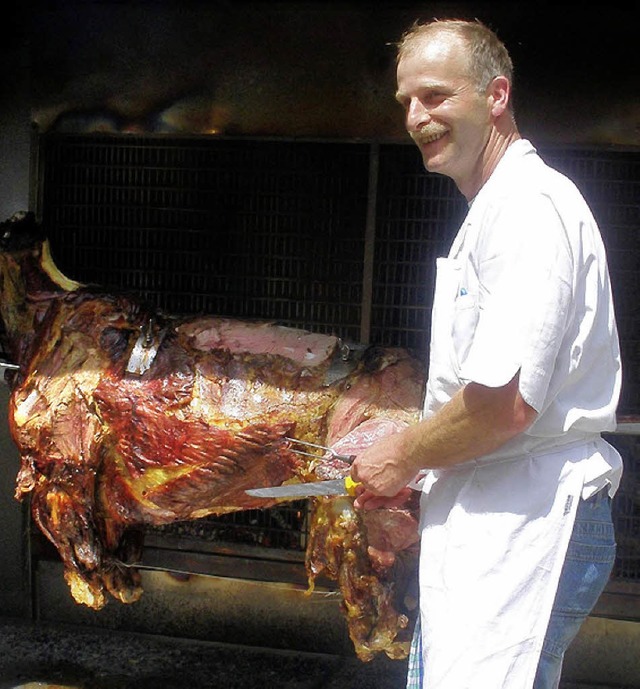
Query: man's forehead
point(433, 46)
point(434, 59)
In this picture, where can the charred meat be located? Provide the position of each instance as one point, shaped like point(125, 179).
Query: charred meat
point(108, 445)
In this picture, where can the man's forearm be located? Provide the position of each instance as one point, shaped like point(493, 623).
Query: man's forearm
point(477, 421)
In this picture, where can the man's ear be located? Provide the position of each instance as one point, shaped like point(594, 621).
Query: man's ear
point(499, 92)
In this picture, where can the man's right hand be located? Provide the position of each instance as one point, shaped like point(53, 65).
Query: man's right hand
point(367, 500)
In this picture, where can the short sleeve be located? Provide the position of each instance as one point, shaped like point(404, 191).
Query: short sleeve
point(525, 277)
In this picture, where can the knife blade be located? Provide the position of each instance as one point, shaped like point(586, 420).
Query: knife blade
point(339, 486)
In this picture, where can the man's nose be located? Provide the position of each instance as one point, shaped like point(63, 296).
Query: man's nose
point(417, 115)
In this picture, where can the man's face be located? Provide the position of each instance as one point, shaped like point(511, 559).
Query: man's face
point(444, 113)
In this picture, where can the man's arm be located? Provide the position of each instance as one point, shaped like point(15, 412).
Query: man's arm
point(478, 420)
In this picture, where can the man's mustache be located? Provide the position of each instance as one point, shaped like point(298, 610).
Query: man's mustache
point(430, 132)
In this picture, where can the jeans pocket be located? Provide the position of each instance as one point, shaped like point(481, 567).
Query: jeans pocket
point(587, 567)
point(590, 558)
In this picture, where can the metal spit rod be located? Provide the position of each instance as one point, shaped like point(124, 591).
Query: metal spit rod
point(324, 448)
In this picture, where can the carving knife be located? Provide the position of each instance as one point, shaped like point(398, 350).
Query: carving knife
point(340, 486)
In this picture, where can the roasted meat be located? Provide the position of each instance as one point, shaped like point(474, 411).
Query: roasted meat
point(378, 587)
point(108, 447)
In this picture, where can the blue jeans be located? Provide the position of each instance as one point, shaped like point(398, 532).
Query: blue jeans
point(586, 571)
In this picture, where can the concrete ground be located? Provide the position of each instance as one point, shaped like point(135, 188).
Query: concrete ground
point(48, 656)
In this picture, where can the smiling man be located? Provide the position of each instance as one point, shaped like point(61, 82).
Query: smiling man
point(458, 108)
point(524, 376)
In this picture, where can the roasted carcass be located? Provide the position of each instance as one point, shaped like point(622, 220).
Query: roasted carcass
point(125, 417)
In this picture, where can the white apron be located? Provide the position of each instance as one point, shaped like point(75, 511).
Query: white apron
point(494, 539)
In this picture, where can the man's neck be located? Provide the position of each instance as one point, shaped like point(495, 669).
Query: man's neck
point(496, 147)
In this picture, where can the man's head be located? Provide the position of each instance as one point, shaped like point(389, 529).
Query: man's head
point(454, 83)
point(487, 55)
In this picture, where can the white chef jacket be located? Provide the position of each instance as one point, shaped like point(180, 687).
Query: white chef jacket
point(525, 288)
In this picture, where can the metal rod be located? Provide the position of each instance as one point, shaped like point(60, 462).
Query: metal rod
point(323, 448)
point(6, 366)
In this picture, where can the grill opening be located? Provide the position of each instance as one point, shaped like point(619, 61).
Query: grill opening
point(280, 230)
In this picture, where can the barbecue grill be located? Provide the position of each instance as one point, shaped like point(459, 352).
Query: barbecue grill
point(335, 237)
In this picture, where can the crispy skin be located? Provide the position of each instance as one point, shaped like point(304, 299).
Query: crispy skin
point(378, 615)
point(105, 452)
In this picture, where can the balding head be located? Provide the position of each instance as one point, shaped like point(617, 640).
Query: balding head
point(487, 57)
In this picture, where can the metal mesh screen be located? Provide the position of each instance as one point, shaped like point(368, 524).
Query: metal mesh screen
point(276, 230)
point(417, 217)
point(284, 527)
point(271, 230)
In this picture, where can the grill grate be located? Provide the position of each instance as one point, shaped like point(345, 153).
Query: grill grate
point(283, 527)
point(276, 230)
point(255, 230)
point(418, 215)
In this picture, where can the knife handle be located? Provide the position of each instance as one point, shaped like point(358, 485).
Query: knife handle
point(350, 485)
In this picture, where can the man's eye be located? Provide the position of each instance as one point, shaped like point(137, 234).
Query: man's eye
point(433, 98)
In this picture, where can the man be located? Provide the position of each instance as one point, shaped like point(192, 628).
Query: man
point(524, 375)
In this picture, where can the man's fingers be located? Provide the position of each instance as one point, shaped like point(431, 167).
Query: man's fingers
point(363, 498)
point(367, 500)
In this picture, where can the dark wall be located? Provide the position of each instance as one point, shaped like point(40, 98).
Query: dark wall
point(322, 69)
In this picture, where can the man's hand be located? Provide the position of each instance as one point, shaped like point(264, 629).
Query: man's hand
point(476, 421)
point(367, 500)
point(384, 469)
